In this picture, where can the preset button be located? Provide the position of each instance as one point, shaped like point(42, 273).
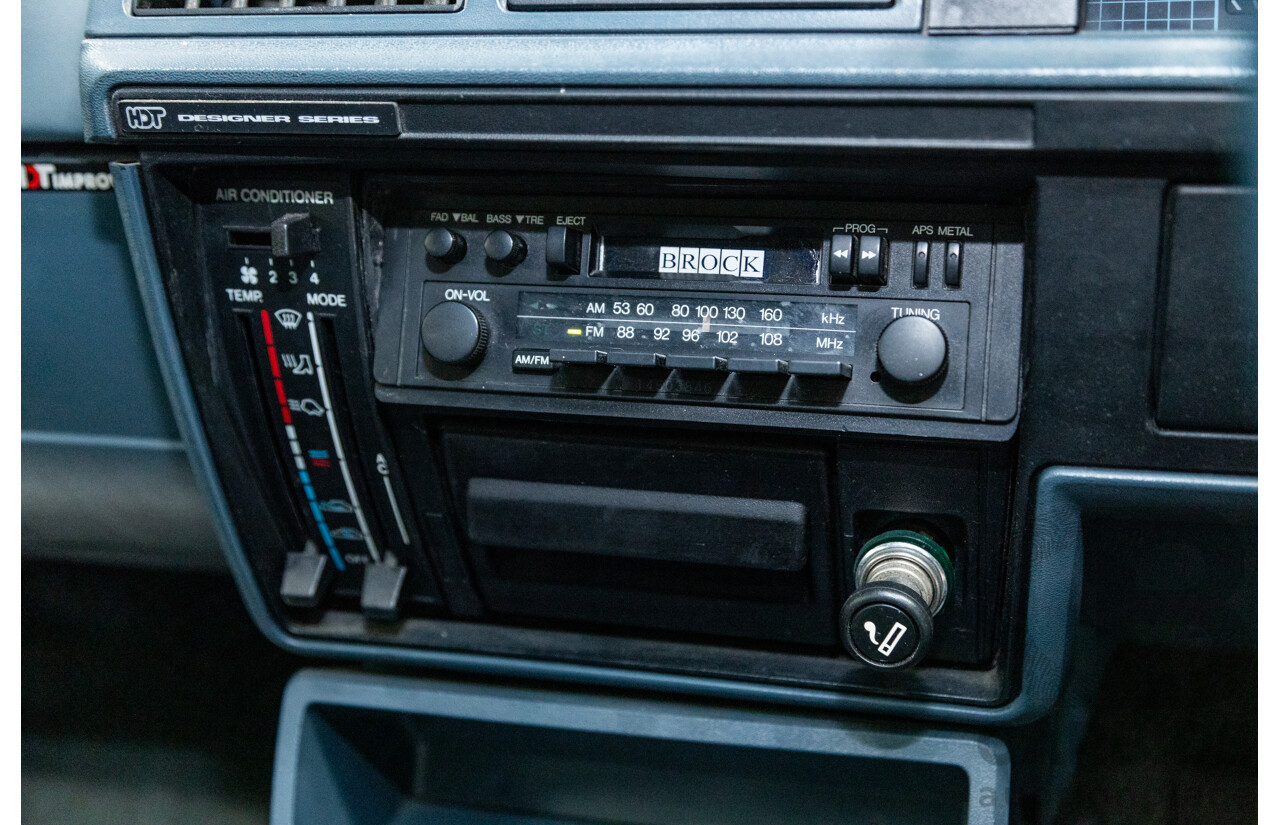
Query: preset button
point(707, 363)
point(577, 356)
point(757, 366)
point(821, 369)
point(635, 359)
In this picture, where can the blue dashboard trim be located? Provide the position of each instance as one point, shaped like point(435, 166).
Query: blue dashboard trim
point(118, 442)
point(299, 778)
point(111, 18)
point(51, 37)
point(109, 499)
point(87, 360)
point(1054, 565)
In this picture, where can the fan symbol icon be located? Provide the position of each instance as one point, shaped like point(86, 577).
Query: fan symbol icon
point(249, 274)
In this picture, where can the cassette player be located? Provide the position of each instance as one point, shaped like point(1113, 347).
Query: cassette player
point(846, 309)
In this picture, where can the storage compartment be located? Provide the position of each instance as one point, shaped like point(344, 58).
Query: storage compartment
point(1207, 363)
point(660, 532)
point(360, 749)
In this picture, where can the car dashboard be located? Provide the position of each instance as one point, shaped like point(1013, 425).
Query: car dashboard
point(660, 410)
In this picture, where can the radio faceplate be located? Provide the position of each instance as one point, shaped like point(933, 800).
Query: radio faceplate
point(702, 303)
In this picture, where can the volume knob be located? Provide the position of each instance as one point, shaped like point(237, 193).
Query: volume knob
point(454, 333)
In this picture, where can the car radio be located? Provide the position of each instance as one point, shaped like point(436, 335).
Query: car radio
point(689, 428)
point(837, 308)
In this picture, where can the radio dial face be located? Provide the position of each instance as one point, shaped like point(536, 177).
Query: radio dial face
point(454, 333)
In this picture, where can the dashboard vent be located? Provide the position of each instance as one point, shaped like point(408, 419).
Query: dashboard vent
point(168, 7)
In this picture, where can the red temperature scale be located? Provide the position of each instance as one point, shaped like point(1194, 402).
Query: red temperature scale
point(305, 398)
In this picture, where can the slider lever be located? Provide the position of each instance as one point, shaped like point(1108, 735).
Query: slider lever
point(380, 593)
point(306, 576)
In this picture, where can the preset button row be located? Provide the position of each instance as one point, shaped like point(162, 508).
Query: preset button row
point(545, 361)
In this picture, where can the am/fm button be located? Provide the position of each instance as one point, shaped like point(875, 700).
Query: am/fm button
point(532, 360)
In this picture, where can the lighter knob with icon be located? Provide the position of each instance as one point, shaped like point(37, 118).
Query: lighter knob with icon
point(902, 578)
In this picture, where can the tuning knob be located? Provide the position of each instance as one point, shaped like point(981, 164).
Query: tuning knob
point(912, 351)
point(454, 333)
point(901, 579)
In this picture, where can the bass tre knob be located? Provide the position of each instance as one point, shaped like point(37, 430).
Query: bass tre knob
point(454, 333)
point(505, 248)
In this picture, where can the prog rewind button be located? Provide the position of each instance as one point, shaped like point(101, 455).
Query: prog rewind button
point(840, 261)
point(821, 369)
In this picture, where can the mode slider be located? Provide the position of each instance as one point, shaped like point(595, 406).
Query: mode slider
point(578, 356)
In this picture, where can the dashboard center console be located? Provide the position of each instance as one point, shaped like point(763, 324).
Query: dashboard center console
point(610, 421)
point(674, 348)
point(809, 362)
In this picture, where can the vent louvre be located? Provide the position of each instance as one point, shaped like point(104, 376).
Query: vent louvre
point(172, 7)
